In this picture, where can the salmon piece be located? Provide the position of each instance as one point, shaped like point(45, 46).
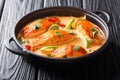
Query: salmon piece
point(84, 26)
point(67, 50)
point(52, 37)
point(29, 32)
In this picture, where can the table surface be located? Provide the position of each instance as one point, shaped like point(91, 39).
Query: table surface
point(14, 67)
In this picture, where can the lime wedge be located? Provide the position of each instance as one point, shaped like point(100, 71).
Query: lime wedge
point(84, 42)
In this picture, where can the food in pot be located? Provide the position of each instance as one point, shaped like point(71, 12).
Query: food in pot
point(61, 36)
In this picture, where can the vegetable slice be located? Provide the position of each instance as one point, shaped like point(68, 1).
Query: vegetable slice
point(48, 48)
point(54, 27)
point(76, 48)
point(83, 17)
point(94, 32)
point(71, 32)
point(62, 25)
point(28, 47)
point(68, 26)
point(52, 19)
point(84, 42)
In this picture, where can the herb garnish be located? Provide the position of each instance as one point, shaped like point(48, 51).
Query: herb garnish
point(94, 32)
point(36, 27)
point(58, 34)
point(76, 48)
point(49, 55)
point(22, 42)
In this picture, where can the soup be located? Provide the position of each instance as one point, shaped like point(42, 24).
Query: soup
point(61, 36)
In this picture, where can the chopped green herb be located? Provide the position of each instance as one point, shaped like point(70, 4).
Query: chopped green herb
point(36, 27)
point(49, 55)
point(64, 56)
point(94, 32)
point(93, 29)
point(20, 41)
point(58, 34)
point(76, 48)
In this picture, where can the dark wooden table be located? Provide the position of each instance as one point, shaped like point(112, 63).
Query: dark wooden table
point(14, 67)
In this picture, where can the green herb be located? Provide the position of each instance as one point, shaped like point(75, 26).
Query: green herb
point(94, 32)
point(58, 34)
point(54, 27)
point(49, 55)
point(93, 29)
point(22, 42)
point(64, 56)
point(36, 27)
point(76, 48)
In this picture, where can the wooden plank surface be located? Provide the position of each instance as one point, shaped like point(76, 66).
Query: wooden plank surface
point(14, 67)
point(1, 7)
point(112, 70)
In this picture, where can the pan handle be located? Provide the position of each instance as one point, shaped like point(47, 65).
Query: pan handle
point(107, 16)
point(11, 47)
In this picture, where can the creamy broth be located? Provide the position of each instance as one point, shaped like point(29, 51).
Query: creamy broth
point(61, 36)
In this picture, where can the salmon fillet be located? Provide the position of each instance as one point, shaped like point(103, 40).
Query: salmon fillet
point(67, 50)
point(29, 32)
point(52, 37)
point(84, 26)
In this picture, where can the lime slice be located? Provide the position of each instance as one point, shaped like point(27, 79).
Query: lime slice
point(84, 42)
point(68, 26)
point(48, 48)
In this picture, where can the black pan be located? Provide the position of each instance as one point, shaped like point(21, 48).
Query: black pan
point(59, 11)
